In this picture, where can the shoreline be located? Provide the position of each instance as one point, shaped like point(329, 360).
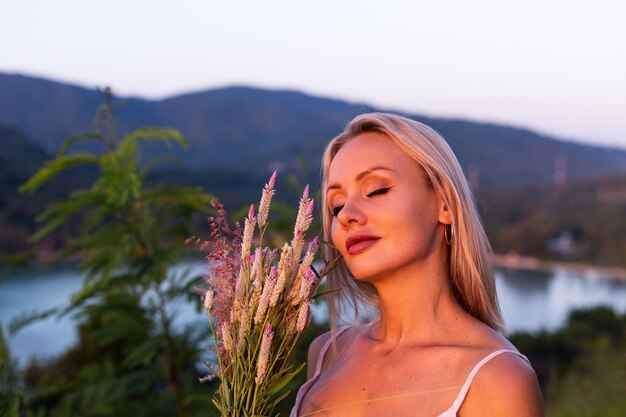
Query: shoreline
point(536, 264)
point(509, 261)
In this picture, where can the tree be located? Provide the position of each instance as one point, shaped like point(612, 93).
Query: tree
point(126, 234)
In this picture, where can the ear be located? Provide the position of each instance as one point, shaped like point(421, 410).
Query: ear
point(445, 216)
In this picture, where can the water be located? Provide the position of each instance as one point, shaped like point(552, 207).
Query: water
point(530, 301)
point(29, 291)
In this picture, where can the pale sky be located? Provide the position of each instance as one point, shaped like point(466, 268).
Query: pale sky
point(554, 66)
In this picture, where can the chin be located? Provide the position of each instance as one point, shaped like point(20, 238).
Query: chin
point(365, 274)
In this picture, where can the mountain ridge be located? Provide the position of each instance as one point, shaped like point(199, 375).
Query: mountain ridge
point(256, 130)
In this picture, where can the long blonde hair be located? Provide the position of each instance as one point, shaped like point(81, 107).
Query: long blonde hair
point(471, 273)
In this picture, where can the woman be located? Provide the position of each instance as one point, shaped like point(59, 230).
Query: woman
point(399, 211)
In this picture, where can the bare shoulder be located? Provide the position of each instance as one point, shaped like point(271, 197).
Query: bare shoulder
point(342, 338)
point(314, 352)
point(504, 386)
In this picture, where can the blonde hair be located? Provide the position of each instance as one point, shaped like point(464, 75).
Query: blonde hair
point(471, 273)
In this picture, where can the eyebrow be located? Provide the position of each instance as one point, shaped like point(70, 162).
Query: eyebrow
point(362, 175)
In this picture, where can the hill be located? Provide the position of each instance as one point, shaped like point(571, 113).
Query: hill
point(582, 221)
point(254, 131)
point(19, 158)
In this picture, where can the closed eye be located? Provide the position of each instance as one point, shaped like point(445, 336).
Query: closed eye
point(379, 191)
point(335, 210)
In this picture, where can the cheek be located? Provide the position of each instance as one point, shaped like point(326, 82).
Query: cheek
point(336, 236)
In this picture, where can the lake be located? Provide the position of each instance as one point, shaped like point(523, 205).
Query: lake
point(530, 301)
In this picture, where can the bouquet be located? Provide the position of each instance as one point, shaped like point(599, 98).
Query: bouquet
point(258, 303)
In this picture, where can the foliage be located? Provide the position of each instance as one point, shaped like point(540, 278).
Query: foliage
point(131, 359)
point(592, 212)
point(581, 367)
point(10, 397)
point(594, 387)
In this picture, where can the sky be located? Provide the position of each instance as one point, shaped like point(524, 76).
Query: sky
point(554, 66)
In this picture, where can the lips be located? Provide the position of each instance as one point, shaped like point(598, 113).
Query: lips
point(358, 243)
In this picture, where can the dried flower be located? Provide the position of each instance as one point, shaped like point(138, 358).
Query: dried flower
point(305, 213)
point(282, 274)
point(243, 330)
point(306, 284)
point(248, 231)
point(308, 257)
point(278, 287)
point(265, 296)
point(227, 338)
point(249, 296)
point(266, 198)
point(208, 299)
point(207, 378)
point(303, 316)
point(255, 269)
point(264, 354)
point(240, 287)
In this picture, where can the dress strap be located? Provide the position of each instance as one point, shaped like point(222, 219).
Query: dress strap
point(468, 382)
point(322, 354)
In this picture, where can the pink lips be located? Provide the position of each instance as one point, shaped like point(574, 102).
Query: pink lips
point(358, 243)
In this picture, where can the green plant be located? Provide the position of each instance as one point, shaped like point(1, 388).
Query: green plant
point(127, 234)
point(10, 396)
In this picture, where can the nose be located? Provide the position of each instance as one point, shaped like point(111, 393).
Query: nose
point(352, 213)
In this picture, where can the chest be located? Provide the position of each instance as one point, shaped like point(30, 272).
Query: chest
point(365, 385)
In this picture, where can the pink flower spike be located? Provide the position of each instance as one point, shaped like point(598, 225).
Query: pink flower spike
point(303, 317)
point(207, 378)
point(208, 299)
point(251, 211)
point(264, 353)
point(305, 193)
point(309, 275)
point(272, 181)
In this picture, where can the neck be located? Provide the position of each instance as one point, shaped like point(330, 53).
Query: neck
point(415, 304)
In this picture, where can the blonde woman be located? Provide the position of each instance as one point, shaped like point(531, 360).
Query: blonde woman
point(399, 211)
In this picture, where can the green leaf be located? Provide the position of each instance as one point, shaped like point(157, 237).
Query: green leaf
point(277, 400)
point(282, 382)
point(27, 318)
point(77, 138)
point(142, 354)
point(129, 142)
point(56, 166)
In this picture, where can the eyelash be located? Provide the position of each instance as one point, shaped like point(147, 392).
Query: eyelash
point(335, 211)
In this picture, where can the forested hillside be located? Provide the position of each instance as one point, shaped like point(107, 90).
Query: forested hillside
point(254, 131)
point(582, 221)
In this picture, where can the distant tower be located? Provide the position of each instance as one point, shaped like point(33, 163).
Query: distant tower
point(560, 169)
point(473, 176)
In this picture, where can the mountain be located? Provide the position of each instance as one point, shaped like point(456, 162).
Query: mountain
point(19, 158)
point(253, 131)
